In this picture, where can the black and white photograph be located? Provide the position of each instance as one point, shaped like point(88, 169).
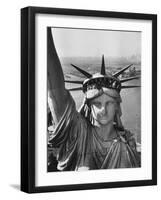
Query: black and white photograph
point(89, 91)
point(93, 99)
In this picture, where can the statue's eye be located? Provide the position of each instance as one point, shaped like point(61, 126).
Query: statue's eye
point(110, 103)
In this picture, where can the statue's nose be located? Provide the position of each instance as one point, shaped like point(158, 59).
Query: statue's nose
point(103, 110)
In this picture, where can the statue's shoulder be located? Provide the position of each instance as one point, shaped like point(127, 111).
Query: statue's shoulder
point(127, 136)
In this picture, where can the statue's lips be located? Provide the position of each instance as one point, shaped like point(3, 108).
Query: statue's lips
point(103, 119)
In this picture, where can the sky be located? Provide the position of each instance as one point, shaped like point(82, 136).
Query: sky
point(85, 42)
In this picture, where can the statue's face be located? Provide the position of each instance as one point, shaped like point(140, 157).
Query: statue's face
point(103, 109)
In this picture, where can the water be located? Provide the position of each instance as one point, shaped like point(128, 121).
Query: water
point(131, 109)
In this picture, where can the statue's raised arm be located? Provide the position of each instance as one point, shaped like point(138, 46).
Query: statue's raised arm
point(57, 94)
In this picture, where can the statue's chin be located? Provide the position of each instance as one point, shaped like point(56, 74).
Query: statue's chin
point(103, 121)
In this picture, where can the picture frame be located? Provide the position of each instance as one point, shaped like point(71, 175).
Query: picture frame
point(34, 23)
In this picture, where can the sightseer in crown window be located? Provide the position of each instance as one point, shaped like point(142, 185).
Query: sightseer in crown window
point(93, 137)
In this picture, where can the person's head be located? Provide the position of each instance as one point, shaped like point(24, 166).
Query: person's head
point(103, 109)
point(102, 99)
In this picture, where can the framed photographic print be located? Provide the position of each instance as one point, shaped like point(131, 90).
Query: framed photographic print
point(88, 99)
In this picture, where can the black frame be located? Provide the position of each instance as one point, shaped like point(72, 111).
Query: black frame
point(28, 98)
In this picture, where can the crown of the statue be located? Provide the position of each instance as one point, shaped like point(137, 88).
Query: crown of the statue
point(102, 79)
point(97, 81)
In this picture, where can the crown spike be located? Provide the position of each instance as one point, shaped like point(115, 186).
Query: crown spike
point(130, 86)
point(103, 71)
point(121, 71)
point(129, 79)
point(76, 82)
point(82, 71)
point(75, 89)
